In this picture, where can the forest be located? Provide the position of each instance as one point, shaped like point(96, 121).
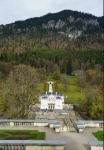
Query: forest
point(64, 61)
point(22, 74)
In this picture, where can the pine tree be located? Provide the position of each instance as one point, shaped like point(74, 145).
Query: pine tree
point(69, 66)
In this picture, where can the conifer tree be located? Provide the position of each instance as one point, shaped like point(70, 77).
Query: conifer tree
point(69, 66)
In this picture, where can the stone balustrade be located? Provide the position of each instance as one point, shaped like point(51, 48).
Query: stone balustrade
point(32, 144)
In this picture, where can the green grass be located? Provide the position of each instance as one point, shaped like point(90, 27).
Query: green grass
point(73, 80)
point(21, 135)
point(73, 91)
point(99, 135)
point(40, 87)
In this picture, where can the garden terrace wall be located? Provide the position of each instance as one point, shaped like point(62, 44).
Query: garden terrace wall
point(32, 144)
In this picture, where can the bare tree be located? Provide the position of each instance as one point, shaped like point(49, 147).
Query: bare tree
point(81, 79)
point(20, 90)
point(65, 81)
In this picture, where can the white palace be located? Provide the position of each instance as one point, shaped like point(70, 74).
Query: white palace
point(51, 100)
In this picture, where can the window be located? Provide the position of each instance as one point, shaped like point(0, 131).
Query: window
point(101, 125)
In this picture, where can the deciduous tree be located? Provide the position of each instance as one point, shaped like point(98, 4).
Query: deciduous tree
point(20, 91)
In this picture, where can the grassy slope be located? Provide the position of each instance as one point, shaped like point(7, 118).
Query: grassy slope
point(73, 92)
point(99, 135)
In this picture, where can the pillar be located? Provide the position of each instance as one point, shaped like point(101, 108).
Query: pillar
point(11, 124)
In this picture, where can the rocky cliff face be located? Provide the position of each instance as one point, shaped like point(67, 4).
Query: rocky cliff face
point(70, 23)
point(60, 24)
point(53, 24)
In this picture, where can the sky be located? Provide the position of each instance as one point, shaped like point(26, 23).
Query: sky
point(14, 10)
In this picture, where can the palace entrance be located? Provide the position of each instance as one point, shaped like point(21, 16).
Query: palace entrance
point(51, 106)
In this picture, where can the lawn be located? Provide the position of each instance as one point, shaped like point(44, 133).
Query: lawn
point(73, 91)
point(99, 135)
point(21, 135)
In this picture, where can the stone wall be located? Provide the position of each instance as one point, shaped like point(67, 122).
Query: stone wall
point(31, 147)
point(96, 147)
point(49, 147)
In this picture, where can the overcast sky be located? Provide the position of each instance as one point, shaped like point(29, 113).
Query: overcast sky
point(14, 10)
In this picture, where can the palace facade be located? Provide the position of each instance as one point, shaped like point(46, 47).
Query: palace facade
point(51, 100)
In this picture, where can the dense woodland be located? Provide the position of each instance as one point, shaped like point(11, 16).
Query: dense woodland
point(21, 74)
point(50, 61)
point(31, 56)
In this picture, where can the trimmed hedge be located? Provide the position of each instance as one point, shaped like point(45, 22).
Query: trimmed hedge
point(21, 135)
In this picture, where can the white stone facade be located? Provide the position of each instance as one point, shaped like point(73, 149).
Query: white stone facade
point(51, 100)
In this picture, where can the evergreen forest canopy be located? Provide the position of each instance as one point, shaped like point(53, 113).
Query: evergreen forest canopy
point(65, 61)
